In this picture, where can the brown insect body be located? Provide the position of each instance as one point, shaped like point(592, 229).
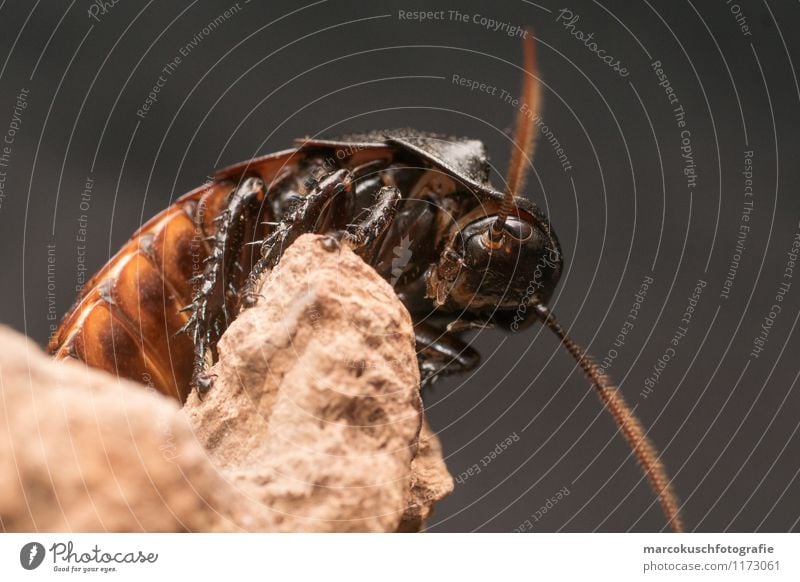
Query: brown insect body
point(155, 312)
point(128, 317)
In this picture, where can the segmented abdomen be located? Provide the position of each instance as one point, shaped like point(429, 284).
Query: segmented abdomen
point(127, 318)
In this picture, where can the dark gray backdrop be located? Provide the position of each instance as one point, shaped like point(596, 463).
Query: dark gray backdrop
point(725, 421)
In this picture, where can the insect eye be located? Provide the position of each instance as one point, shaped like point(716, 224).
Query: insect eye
point(518, 230)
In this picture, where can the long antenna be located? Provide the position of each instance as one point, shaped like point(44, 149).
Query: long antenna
point(628, 423)
point(524, 133)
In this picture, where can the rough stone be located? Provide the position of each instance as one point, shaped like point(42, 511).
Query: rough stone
point(314, 423)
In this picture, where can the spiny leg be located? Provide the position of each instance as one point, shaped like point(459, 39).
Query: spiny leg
point(308, 217)
point(209, 307)
point(322, 218)
point(378, 217)
point(441, 353)
point(305, 218)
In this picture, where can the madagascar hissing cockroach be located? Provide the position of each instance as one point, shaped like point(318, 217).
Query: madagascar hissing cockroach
point(472, 256)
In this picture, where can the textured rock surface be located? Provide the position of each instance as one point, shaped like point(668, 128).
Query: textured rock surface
point(320, 381)
point(81, 450)
point(314, 423)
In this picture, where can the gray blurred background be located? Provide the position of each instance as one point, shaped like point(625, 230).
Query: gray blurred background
point(725, 420)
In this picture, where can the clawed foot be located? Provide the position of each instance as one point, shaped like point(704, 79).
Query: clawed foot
point(204, 382)
point(333, 241)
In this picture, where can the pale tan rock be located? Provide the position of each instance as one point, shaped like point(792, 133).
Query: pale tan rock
point(430, 482)
point(322, 377)
point(81, 450)
point(314, 423)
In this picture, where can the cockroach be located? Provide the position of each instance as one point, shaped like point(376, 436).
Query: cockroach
point(470, 256)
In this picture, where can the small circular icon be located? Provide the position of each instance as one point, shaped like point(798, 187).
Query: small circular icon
point(31, 555)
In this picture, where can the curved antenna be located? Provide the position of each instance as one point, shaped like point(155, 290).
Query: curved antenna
point(524, 134)
point(628, 423)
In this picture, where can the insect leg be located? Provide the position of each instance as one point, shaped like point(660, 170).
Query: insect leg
point(212, 300)
point(362, 234)
point(441, 353)
point(306, 217)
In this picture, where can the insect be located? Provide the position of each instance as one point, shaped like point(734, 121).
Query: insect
point(418, 207)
